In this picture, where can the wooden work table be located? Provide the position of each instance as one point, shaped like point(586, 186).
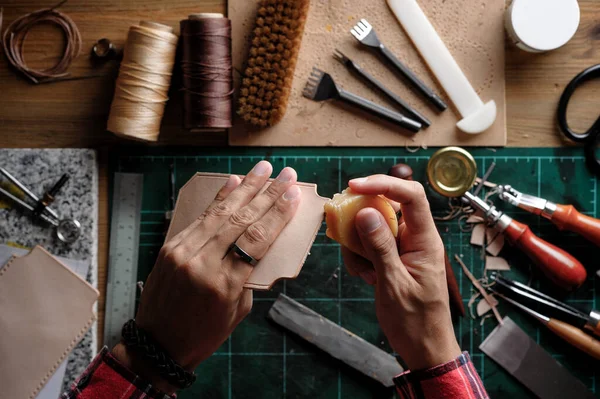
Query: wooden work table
point(74, 113)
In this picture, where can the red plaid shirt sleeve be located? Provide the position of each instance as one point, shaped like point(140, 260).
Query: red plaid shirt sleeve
point(106, 377)
point(456, 379)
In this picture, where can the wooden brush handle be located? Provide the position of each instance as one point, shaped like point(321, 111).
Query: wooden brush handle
point(566, 217)
point(575, 337)
point(558, 265)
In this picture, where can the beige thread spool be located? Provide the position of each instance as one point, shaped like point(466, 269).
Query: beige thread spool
point(143, 83)
point(205, 15)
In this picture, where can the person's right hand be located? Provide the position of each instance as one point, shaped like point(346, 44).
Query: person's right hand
point(409, 274)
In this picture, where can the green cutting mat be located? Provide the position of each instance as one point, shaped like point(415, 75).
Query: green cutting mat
point(262, 361)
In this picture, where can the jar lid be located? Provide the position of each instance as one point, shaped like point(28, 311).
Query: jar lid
point(543, 25)
point(452, 171)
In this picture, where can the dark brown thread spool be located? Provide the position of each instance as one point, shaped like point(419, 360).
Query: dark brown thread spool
point(207, 72)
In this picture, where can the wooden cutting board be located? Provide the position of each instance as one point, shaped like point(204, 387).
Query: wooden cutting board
point(472, 30)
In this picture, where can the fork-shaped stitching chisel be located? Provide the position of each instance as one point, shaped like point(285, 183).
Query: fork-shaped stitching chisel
point(367, 77)
point(364, 33)
point(321, 87)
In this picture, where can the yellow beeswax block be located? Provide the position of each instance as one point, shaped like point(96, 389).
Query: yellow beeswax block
point(341, 213)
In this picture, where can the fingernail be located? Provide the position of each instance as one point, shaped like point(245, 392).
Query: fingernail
point(359, 180)
point(285, 175)
point(230, 182)
point(369, 277)
point(369, 222)
point(292, 193)
point(261, 168)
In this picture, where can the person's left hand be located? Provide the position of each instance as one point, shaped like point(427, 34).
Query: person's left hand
point(194, 297)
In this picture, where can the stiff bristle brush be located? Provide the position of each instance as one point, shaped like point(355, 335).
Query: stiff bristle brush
point(267, 79)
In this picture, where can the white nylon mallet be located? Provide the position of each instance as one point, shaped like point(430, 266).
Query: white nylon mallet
point(477, 116)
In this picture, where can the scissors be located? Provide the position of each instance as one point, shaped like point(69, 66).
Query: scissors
point(591, 138)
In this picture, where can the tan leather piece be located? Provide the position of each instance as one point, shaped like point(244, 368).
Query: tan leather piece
point(288, 253)
point(45, 309)
point(474, 34)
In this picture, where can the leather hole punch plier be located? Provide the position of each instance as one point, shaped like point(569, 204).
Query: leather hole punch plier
point(565, 217)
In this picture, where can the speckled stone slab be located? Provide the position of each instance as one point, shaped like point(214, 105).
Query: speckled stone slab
point(39, 169)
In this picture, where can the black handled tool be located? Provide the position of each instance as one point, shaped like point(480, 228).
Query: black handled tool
point(590, 138)
point(321, 87)
point(49, 195)
point(364, 33)
point(353, 66)
point(590, 322)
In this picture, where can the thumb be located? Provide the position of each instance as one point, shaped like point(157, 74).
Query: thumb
point(379, 243)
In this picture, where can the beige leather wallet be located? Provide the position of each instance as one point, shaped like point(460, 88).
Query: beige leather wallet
point(289, 251)
point(45, 309)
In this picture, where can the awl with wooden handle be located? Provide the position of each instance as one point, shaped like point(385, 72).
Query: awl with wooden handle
point(565, 217)
point(589, 321)
point(405, 172)
point(567, 332)
point(558, 265)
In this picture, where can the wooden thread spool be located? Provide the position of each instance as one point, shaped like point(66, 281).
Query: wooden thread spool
point(205, 15)
point(207, 72)
point(143, 83)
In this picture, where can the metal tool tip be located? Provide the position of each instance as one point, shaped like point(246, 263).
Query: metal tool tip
point(338, 55)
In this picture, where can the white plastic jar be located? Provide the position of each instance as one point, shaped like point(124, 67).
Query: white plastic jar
point(542, 25)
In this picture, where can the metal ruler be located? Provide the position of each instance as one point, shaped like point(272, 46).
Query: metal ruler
point(123, 254)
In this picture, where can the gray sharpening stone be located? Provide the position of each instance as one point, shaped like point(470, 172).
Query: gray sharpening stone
point(335, 340)
point(510, 347)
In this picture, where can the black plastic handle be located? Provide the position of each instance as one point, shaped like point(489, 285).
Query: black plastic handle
point(588, 74)
point(379, 111)
point(591, 137)
point(414, 80)
point(411, 112)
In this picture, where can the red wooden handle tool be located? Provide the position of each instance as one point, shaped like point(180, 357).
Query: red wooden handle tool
point(558, 265)
point(566, 217)
point(453, 289)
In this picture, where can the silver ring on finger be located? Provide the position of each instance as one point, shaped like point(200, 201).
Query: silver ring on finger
point(243, 255)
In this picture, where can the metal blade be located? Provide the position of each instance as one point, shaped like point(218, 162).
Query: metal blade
point(539, 316)
point(537, 296)
point(510, 347)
